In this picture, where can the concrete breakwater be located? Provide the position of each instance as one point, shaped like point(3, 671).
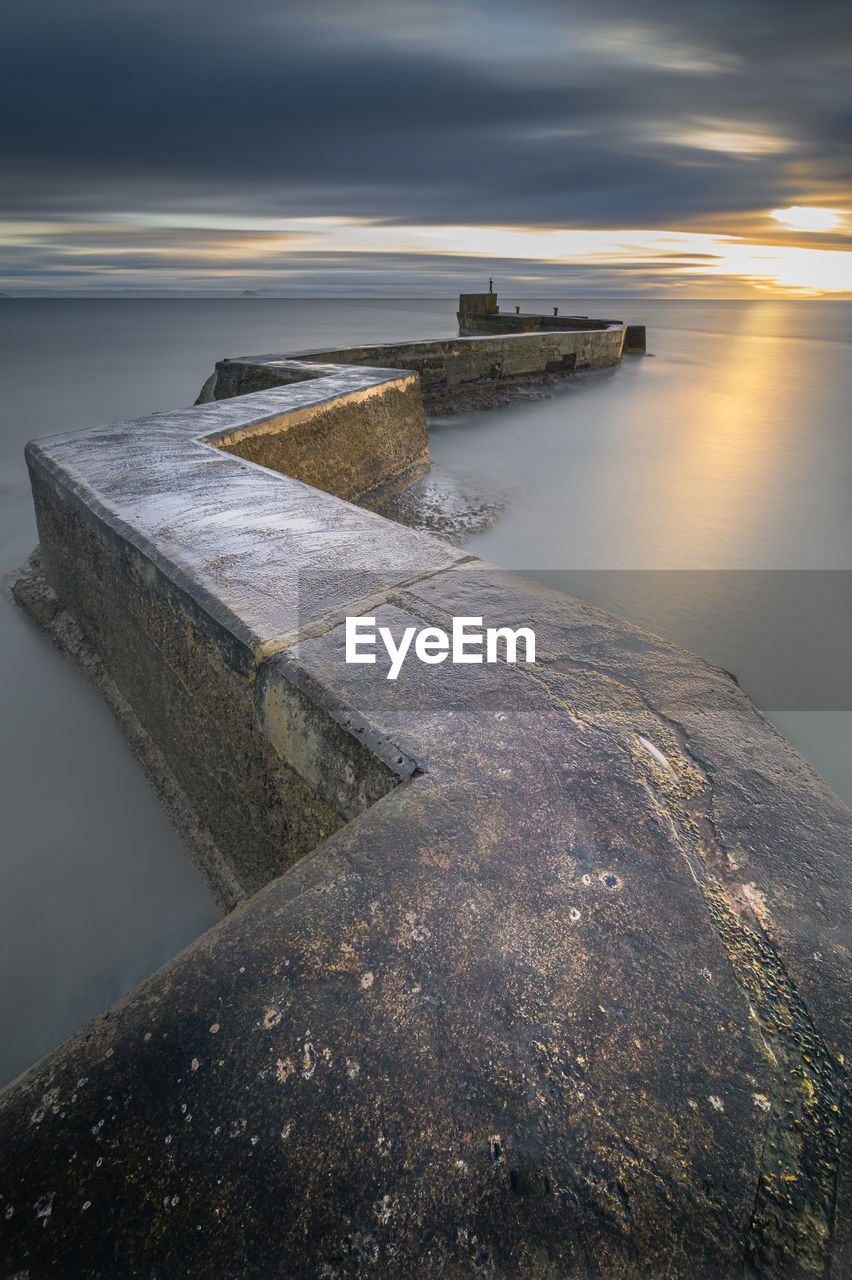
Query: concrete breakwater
point(479, 313)
point(539, 971)
point(447, 368)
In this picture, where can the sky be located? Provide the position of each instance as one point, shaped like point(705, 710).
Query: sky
point(417, 147)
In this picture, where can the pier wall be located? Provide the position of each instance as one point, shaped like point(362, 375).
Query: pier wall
point(363, 446)
point(523, 983)
point(445, 366)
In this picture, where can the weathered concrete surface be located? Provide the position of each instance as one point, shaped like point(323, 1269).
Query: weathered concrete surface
point(479, 313)
point(225, 539)
point(635, 340)
point(475, 324)
point(445, 366)
point(482, 303)
point(181, 636)
point(364, 446)
point(570, 999)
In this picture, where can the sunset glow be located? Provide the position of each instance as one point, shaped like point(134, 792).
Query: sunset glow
point(269, 252)
point(801, 218)
point(401, 149)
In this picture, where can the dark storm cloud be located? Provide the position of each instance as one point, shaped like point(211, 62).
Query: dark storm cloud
point(426, 111)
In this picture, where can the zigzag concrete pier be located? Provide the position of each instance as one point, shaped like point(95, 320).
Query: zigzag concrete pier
point(535, 971)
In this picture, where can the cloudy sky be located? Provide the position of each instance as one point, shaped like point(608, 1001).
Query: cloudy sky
point(417, 146)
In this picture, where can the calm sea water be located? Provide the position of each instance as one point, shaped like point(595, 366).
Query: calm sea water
point(703, 493)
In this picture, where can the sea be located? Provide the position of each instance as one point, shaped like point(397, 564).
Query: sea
point(702, 491)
